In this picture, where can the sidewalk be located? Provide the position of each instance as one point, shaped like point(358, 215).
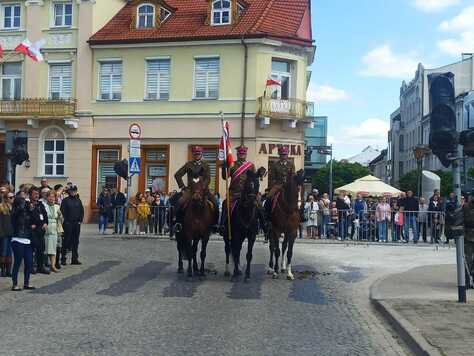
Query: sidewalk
point(422, 306)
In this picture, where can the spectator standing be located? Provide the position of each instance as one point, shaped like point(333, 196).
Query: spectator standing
point(343, 214)
point(423, 218)
point(118, 201)
point(143, 212)
point(149, 199)
point(450, 207)
point(311, 211)
point(6, 232)
point(44, 184)
point(22, 222)
point(394, 210)
point(360, 211)
point(382, 216)
point(435, 210)
point(325, 205)
point(155, 214)
point(104, 203)
point(132, 216)
point(73, 214)
point(39, 226)
point(410, 207)
point(54, 220)
point(59, 189)
point(334, 220)
point(399, 222)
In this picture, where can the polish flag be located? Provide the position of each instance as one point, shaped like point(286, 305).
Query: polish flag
point(271, 81)
point(31, 50)
point(1, 51)
point(225, 146)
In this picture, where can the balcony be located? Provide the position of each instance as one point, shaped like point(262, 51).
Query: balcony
point(38, 108)
point(286, 109)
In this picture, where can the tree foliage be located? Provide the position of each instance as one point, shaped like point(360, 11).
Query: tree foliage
point(343, 173)
point(409, 182)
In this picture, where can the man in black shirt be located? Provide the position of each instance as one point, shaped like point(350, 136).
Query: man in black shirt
point(118, 204)
point(39, 224)
point(73, 213)
point(411, 207)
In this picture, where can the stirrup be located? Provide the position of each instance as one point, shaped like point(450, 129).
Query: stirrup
point(178, 227)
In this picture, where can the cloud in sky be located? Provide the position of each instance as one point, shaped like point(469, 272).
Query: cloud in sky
point(462, 27)
point(321, 93)
point(383, 62)
point(372, 131)
point(434, 5)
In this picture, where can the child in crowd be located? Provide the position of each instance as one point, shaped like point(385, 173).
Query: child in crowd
point(143, 212)
point(132, 216)
point(334, 220)
point(399, 221)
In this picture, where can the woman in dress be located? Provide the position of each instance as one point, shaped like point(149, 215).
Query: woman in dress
point(54, 221)
point(311, 210)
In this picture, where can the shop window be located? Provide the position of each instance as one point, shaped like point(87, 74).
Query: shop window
point(106, 177)
point(156, 169)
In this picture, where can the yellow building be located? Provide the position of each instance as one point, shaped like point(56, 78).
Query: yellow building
point(172, 66)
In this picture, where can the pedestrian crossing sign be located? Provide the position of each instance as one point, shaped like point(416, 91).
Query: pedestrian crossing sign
point(134, 164)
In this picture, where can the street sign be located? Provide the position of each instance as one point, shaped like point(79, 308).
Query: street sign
point(134, 150)
point(134, 164)
point(135, 131)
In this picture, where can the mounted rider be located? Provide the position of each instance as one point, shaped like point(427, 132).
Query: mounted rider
point(238, 174)
point(197, 164)
point(278, 174)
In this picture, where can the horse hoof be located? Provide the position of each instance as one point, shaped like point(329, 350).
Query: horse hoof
point(180, 270)
point(226, 274)
point(275, 275)
point(290, 277)
point(270, 271)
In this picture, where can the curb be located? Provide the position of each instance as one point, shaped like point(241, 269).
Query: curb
point(407, 332)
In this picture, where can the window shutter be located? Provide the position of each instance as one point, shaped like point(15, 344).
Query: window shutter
point(207, 77)
point(158, 79)
point(60, 81)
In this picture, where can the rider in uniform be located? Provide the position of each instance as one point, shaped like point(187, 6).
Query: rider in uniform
point(188, 169)
point(278, 174)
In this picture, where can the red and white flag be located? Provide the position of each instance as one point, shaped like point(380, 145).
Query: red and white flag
point(225, 147)
point(32, 50)
point(271, 81)
point(1, 51)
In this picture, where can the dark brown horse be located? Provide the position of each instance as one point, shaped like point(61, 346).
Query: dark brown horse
point(285, 220)
point(198, 218)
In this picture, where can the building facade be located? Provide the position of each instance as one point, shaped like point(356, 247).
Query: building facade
point(316, 136)
point(172, 67)
point(380, 168)
point(411, 127)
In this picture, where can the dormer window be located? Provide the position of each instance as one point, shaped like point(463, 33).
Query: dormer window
point(221, 12)
point(164, 14)
point(146, 16)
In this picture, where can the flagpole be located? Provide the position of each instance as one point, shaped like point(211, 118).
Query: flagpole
point(229, 225)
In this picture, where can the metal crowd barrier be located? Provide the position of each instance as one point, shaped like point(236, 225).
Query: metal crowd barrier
point(419, 226)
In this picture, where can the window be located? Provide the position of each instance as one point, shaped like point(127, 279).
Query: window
point(221, 11)
point(53, 153)
point(146, 16)
point(240, 10)
point(164, 14)
point(11, 81)
point(11, 16)
point(62, 14)
point(106, 176)
point(281, 71)
point(158, 79)
point(156, 169)
point(60, 81)
point(110, 81)
point(206, 80)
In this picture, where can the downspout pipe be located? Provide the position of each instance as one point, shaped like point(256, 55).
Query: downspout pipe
point(244, 92)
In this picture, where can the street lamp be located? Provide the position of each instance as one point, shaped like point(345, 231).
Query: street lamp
point(419, 152)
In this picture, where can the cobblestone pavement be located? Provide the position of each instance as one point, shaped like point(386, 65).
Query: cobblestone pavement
point(127, 299)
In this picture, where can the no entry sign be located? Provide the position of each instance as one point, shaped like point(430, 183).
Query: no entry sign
point(135, 131)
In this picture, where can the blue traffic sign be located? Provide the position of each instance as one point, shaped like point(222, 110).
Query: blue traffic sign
point(134, 164)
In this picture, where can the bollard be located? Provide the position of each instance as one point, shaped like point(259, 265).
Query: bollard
point(461, 269)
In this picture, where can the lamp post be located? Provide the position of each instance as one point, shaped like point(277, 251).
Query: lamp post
point(419, 152)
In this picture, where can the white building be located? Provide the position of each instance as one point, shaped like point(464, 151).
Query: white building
point(367, 155)
point(410, 125)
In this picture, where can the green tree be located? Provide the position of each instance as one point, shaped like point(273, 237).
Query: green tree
point(343, 173)
point(470, 172)
point(446, 182)
point(409, 182)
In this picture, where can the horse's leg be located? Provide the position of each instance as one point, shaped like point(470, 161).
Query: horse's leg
point(276, 241)
point(291, 243)
point(227, 255)
point(189, 254)
point(270, 247)
point(251, 242)
point(283, 249)
point(195, 249)
point(179, 246)
point(204, 242)
point(236, 248)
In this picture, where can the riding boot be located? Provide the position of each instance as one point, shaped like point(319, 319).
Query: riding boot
point(178, 226)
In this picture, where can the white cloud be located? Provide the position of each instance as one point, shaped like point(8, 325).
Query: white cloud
point(434, 5)
point(383, 62)
point(372, 131)
point(320, 93)
point(462, 26)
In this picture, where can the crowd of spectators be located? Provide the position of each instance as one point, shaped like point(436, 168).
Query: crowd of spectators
point(39, 226)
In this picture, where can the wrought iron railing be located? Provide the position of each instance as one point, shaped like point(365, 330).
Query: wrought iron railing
point(285, 108)
point(38, 107)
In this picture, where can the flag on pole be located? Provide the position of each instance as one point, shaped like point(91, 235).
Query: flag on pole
point(32, 50)
point(271, 81)
point(1, 51)
point(225, 147)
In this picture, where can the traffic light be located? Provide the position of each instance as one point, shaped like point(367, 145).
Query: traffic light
point(121, 168)
point(17, 146)
point(443, 134)
point(466, 139)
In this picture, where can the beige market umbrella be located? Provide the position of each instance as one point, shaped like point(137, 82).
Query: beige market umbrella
point(369, 186)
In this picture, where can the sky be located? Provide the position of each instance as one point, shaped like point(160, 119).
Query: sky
point(366, 48)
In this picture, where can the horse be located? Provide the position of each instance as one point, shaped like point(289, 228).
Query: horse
point(285, 219)
point(244, 224)
point(197, 220)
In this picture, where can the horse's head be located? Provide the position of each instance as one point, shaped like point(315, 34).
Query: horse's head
point(196, 186)
point(251, 187)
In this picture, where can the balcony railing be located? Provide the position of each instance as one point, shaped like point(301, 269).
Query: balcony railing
point(285, 108)
point(38, 107)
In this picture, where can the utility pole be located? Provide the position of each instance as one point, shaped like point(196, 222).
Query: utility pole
point(330, 175)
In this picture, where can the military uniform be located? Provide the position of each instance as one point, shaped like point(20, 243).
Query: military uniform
point(237, 184)
point(468, 212)
point(191, 167)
